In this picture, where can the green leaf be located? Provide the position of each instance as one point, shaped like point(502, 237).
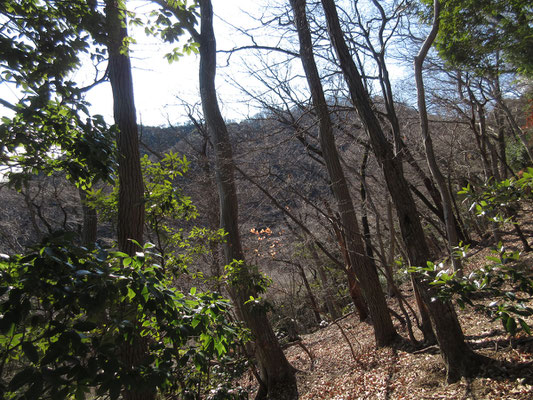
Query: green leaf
point(510, 326)
point(144, 293)
point(221, 349)
point(524, 326)
point(30, 351)
point(21, 378)
point(85, 326)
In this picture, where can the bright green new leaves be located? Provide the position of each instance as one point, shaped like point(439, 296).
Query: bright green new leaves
point(68, 317)
point(166, 209)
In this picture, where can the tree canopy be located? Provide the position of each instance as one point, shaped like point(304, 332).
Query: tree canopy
point(487, 35)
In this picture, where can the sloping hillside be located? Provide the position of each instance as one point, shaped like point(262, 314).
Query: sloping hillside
point(345, 364)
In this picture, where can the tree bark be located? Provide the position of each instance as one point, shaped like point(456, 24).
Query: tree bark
point(458, 357)
point(329, 295)
point(131, 190)
point(384, 331)
point(277, 375)
point(431, 159)
point(310, 295)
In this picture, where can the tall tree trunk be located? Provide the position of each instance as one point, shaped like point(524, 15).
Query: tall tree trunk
point(431, 159)
point(353, 285)
point(502, 155)
point(366, 272)
point(277, 375)
point(458, 357)
point(131, 190)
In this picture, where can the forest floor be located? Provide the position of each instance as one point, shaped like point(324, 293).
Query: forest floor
point(358, 370)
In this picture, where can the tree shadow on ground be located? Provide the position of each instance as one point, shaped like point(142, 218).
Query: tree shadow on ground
point(498, 370)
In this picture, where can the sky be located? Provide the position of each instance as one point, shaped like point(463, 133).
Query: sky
point(160, 88)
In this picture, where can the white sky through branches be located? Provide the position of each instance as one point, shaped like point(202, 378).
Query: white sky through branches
point(160, 87)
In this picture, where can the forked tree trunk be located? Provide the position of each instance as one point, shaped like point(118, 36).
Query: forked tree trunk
point(459, 358)
point(366, 273)
point(277, 375)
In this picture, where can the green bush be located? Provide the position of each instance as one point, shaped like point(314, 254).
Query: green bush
point(71, 317)
point(502, 280)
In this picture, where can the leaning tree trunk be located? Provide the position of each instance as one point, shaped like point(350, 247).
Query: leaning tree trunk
point(446, 199)
point(459, 358)
point(131, 191)
point(277, 375)
point(366, 272)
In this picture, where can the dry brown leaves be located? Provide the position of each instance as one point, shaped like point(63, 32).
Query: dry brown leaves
point(395, 374)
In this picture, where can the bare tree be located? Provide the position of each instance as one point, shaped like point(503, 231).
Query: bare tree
point(365, 271)
point(277, 380)
point(445, 195)
point(460, 360)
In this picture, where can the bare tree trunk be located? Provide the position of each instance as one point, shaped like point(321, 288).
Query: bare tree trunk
point(312, 299)
point(392, 252)
point(277, 375)
point(366, 273)
point(431, 159)
point(502, 155)
point(353, 285)
point(458, 357)
point(364, 207)
point(424, 324)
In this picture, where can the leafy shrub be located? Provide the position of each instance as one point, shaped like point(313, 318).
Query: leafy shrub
point(503, 279)
point(509, 286)
point(516, 154)
point(496, 198)
point(71, 317)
